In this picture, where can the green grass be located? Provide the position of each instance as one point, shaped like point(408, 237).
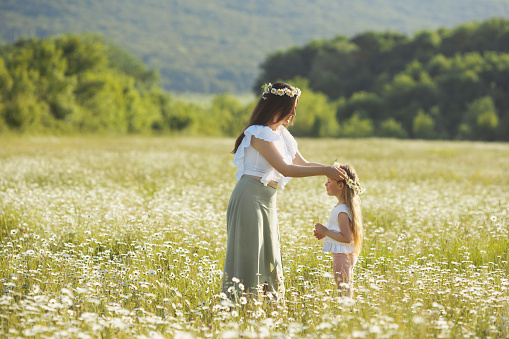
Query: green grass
point(125, 237)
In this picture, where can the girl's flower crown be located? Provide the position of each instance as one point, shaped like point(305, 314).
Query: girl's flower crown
point(267, 88)
point(353, 185)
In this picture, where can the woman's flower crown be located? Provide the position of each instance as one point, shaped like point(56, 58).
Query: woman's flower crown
point(267, 88)
point(353, 185)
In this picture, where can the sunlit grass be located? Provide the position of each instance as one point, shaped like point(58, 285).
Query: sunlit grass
point(125, 237)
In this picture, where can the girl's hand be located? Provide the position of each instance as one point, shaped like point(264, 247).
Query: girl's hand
point(319, 236)
point(320, 231)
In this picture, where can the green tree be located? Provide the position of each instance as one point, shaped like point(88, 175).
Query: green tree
point(439, 64)
point(315, 115)
point(84, 53)
point(385, 75)
point(423, 126)
point(228, 115)
point(480, 121)
point(357, 127)
point(368, 102)
point(183, 117)
point(78, 82)
point(5, 88)
point(391, 128)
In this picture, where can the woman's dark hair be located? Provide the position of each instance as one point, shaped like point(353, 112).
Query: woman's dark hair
point(268, 107)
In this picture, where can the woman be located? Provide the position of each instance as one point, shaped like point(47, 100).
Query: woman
point(267, 157)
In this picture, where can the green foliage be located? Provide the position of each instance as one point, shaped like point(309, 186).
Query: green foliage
point(84, 84)
point(87, 84)
point(481, 120)
point(315, 113)
point(227, 115)
point(357, 127)
point(423, 126)
point(405, 86)
point(176, 116)
point(360, 101)
point(388, 75)
point(391, 128)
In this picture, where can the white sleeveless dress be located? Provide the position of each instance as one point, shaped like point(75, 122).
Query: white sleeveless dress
point(331, 245)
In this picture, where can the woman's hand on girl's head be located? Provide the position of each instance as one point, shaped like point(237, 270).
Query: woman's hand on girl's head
point(335, 174)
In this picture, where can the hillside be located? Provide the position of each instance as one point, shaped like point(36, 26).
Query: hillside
point(211, 47)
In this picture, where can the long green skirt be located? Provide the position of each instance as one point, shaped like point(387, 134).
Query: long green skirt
point(253, 253)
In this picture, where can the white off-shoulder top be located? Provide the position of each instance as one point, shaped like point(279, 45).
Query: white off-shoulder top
point(331, 245)
point(251, 162)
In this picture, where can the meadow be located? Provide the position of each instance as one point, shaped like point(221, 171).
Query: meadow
point(125, 237)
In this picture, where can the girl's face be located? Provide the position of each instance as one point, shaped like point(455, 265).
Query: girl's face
point(333, 187)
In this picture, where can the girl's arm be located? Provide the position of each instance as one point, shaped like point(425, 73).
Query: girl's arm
point(345, 236)
point(270, 152)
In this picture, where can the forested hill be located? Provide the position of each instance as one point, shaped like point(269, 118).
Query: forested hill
point(217, 46)
point(445, 83)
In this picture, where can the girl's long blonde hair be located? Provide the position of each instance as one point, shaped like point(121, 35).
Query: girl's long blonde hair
point(353, 201)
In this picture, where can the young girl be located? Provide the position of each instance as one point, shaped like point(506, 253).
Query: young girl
point(344, 229)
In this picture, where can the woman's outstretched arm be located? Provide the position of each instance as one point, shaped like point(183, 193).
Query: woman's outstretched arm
point(270, 152)
point(299, 160)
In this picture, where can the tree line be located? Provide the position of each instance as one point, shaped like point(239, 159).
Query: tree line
point(444, 83)
point(87, 84)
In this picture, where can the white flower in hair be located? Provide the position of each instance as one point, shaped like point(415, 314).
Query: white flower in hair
point(267, 88)
point(353, 185)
